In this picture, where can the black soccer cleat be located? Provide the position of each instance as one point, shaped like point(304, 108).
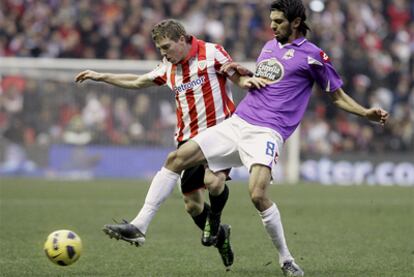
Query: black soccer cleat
point(211, 228)
point(125, 231)
point(224, 247)
point(290, 268)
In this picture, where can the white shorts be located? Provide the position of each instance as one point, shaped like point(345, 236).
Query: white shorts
point(234, 143)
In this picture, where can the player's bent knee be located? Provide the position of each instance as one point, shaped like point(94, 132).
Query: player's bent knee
point(258, 198)
point(174, 162)
point(215, 184)
point(170, 158)
point(179, 160)
point(193, 208)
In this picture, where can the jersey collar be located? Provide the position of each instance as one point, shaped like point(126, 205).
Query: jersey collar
point(299, 41)
point(193, 50)
point(296, 42)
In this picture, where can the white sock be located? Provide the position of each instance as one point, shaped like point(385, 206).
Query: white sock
point(162, 186)
point(273, 224)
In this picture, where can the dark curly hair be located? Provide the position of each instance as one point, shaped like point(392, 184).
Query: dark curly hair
point(292, 9)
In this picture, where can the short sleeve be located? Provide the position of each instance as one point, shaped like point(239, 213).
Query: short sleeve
point(159, 74)
point(323, 72)
point(221, 57)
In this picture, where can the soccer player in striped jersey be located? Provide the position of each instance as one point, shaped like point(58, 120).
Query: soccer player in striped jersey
point(267, 116)
point(191, 69)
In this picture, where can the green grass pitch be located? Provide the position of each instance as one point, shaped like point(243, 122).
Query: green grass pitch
point(332, 231)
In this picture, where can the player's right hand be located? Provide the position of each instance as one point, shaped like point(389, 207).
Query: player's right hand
point(255, 82)
point(88, 74)
point(377, 115)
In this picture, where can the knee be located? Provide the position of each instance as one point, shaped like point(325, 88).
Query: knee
point(174, 161)
point(259, 198)
point(215, 183)
point(193, 208)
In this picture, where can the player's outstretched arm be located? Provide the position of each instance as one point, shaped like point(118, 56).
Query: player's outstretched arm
point(130, 81)
point(345, 102)
point(252, 82)
point(242, 76)
point(230, 67)
point(247, 82)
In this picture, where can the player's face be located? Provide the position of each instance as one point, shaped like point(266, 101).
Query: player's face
point(173, 51)
point(281, 26)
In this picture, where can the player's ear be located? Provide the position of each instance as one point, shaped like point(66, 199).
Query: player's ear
point(296, 22)
point(182, 39)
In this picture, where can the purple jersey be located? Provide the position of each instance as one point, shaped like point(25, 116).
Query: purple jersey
point(292, 68)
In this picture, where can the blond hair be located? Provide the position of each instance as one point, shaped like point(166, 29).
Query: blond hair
point(169, 28)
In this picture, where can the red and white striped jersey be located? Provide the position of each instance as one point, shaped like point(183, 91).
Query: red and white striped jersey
point(202, 95)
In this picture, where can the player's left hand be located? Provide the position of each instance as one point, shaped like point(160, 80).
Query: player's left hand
point(377, 115)
point(227, 68)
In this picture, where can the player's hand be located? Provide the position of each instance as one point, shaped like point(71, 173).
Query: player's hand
point(377, 115)
point(88, 74)
point(254, 82)
point(227, 68)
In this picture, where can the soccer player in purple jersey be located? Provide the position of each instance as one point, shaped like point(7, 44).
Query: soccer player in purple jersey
point(266, 117)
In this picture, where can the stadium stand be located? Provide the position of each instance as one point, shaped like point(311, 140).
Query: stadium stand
point(370, 42)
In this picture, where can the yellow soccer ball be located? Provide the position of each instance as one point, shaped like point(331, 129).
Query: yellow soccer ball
point(63, 247)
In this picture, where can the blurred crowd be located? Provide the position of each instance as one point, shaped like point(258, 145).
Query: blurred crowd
point(50, 111)
point(370, 42)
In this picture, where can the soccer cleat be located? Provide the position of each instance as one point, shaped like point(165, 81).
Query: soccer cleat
point(125, 231)
point(224, 248)
point(211, 228)
point(290, 268)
